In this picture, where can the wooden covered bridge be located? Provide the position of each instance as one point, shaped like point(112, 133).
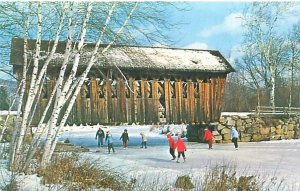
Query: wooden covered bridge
point(163, 85)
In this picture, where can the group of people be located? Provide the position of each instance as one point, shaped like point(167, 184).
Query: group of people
point(109, 139)
point(179, 144)
point(209, 137)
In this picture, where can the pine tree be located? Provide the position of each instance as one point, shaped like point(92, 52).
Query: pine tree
point(4, 103)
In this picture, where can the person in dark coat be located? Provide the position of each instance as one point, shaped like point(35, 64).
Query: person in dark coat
point(172, 146)
point(125, 139)
point(100, 135)
point(180, 149)
point(208, 137)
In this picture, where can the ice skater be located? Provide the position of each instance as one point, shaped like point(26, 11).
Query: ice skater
point(208, 137)
point(180, 148)
point(234, 135)
point(144, 140)
point(125, 139)
point(100, 135)
point(172, 146)
point(110, 142)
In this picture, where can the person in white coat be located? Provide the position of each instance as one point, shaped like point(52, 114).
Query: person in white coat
point(144, 140)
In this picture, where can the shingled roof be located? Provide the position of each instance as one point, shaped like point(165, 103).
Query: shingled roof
point(139, 58)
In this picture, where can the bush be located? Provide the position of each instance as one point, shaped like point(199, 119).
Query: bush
point(80, 174)
point(224, 178)
point(184, 182)
point(8, 130)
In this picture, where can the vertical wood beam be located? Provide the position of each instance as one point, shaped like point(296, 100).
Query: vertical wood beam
point(145, 96)
point(100, 107)
point(83, 105)
point(222, 82)
point(212, 100)
point(78, 109)
point(155, 101)
point(201, 102)
point(207, 101)
point(132, 100)
point(94, 100)
point(179, 99)
point(121, 101)
point(191, 101)
point(168, 100)
point(108, 100)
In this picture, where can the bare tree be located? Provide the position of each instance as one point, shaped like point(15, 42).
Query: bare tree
point(266, 48)
point(294, 58)
point(76, 23)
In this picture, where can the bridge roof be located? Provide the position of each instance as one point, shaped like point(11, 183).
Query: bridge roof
point(137, 58)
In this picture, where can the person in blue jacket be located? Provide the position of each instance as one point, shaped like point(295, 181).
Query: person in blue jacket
point(110, 142)
point(234, 135)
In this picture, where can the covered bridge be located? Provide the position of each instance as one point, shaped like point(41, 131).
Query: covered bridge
point(157, 85)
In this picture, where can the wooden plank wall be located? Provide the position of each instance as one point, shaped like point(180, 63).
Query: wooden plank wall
point(112, 102)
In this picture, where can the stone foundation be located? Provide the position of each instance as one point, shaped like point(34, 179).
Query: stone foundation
point(263, 128)
point(251, 128)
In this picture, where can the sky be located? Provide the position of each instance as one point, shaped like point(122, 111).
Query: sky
point(211, 25)
point(217, 25)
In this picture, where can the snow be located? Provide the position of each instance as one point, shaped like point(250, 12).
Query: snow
point(166, 58)
point(267, 159)
point(5, 112)
point(241, 114)
point(157, 58)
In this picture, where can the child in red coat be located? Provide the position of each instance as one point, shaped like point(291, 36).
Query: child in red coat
point(208, 136)
point(180, 148)
point(172, 146)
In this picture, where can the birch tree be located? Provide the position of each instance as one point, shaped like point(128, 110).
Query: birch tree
point(265, 46)
point(294, 58)
point(76, 23)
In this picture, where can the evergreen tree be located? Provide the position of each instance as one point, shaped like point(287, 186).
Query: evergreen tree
point(4, 103)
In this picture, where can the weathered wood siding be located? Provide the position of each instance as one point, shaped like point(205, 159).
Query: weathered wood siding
point(145, 102)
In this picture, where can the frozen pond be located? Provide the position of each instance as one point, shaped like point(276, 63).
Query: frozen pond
point(273, 158)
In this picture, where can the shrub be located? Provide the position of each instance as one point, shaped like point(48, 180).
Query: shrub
point(8, 129)
point(79, 174)
point(224, 178)
point(184, 182)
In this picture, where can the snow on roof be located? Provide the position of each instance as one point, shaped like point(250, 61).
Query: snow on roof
point(167, 59)
point(138, 58)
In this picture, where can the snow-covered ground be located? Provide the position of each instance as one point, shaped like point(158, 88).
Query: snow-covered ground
point(273, 158)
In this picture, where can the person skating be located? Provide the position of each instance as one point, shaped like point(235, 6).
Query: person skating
point(208, 137)
point(234, 135)
point(144, 140)
point(125, 139)
point(180, 148)
point(172, 145)
point(110, 142)
point(100, 135)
